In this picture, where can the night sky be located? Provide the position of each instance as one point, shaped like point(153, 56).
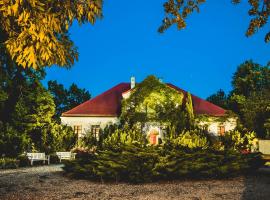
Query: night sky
point(200, 59)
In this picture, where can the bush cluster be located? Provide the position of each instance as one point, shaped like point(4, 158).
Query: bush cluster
point(8, 163)
point(131, 163)
point(48, 139)
point(237, 140)
point(193, 139)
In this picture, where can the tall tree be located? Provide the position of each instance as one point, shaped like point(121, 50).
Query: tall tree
point(178, 10)
point(250, 77)
point(76, 96)
point(26, 112)
point(255, 113)
point(66, 99)
point(14, 81)
point(219, 98)
point(249, 97)
point(36, 33)
point(34, 108)
point(59, 94)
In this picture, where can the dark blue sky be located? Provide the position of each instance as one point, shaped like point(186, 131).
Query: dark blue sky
point(200, 59)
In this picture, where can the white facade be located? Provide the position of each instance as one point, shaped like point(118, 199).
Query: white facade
point(213, 126)
point(87, 122)
point(84, 124)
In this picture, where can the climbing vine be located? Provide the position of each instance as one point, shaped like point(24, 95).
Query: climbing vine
point(154, 101)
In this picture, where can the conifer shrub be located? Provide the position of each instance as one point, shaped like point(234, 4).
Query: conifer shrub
point(135, 164)
point(193, 139)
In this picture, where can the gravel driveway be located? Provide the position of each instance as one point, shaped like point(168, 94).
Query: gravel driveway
point(48, 182)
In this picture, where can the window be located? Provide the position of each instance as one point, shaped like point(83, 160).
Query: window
point(95, 130)
point(205, 128)
point(221, 130)
point(78, 129)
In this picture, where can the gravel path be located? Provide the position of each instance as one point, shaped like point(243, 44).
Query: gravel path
point(48, 182)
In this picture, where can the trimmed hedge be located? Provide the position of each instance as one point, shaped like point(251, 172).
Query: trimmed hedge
point(9, 163)
point(134, 164)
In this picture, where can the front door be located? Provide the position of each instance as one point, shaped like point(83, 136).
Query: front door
point(153, 138)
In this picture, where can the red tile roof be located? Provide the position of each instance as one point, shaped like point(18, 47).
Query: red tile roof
point(202, 106)
point(109, 104)
point(106, 104)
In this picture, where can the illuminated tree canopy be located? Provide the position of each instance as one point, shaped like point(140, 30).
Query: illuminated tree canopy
point(35, 32)
point(178, 10)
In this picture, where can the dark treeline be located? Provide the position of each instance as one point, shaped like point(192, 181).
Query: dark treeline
point(29, 113)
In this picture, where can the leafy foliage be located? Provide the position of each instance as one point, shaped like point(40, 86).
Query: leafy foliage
point(189, 112)
point(52, 137)
point(8, 163)
point(153, 101)
point(239, 140)
point(33, 109)
point(35, 33)
point(255, 112)
point(26, 112)
point(125, 137)
point(251, 77)
point(219, 99)
point(66, 99)
point(249, 97)
point(194, 139)
point(178, 10)
point(12, 142)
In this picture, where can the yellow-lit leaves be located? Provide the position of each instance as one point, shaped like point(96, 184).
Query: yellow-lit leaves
point(260, 11)
point(176, 11)
point(37, 30)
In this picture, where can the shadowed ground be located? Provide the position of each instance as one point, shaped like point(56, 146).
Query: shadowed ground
point(48, 182)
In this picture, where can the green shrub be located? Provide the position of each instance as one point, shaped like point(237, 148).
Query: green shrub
point(54, 159)
point(8, 163)
point(136, 164)
point(53, 138)
point(23, 160)
point(12, 143)
point(88, 140)
point(239, 140)
point(125, 137)
point(194, 139)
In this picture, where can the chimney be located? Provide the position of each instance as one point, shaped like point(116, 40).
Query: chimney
point(132, 82)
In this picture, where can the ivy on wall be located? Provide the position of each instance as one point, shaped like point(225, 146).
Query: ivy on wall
point(154, 101)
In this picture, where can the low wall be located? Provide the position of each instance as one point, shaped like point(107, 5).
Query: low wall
point(264, 146)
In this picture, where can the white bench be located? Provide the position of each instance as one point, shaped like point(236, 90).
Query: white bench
point(65, 156)
point(38, 157)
